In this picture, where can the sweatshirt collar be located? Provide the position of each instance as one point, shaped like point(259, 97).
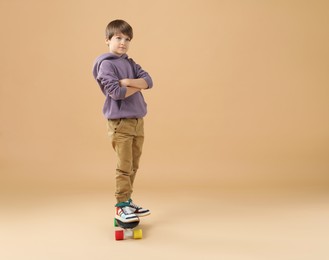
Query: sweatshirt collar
point(114, 56)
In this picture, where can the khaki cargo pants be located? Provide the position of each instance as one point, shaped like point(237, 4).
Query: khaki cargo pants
point(127, 136)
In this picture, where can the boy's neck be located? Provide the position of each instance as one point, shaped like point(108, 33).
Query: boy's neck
point(115, 54)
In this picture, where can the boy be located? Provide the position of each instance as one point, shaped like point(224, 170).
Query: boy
point(122, 80)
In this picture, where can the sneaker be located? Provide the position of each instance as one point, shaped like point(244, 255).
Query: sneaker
point(139, 211)
point(125, 213)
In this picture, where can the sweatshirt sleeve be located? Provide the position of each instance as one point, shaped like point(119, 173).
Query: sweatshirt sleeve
point(140, 73)
point(109, 81)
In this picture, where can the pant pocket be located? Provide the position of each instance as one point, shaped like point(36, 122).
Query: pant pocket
point(114, 125)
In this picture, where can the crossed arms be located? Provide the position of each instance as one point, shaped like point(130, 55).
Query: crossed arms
point(133, 85)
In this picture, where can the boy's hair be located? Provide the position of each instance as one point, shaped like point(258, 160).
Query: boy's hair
point(118, 26)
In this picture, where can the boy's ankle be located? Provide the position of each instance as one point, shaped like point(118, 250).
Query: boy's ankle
point(122, 204)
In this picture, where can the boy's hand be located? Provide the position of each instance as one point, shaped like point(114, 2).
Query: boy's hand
point(123, 82)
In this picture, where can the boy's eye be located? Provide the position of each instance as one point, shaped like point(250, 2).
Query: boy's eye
point(120, 38)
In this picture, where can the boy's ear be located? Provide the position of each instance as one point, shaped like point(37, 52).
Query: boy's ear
point(107, 41)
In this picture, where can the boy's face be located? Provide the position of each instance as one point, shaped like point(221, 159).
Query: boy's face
point(118, 44)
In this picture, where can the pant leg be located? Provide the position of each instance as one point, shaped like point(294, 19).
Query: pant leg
point(137, 148)
point(123, 148)
point(122, 135)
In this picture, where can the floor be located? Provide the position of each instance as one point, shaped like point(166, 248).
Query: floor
point(190, 224)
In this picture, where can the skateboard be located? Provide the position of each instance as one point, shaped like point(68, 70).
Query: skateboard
point(127, 230)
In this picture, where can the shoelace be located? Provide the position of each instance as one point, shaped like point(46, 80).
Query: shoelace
point(127, 210)
point(134, 205)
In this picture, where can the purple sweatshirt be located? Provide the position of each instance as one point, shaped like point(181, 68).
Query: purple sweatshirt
point(108, 69)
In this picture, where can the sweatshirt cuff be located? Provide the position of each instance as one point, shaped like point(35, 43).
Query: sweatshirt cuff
point(123, 91)
point(149, 82)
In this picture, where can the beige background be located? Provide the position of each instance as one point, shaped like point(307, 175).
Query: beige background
point(239, 106)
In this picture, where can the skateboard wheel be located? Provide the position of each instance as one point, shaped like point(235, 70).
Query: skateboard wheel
point(119, 235)
point(138, 234)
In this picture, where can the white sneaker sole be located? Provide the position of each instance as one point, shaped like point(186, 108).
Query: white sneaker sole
point(129, 220)
point(143, 214)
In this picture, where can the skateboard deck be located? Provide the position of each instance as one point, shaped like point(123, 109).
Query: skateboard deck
point(127, 230)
